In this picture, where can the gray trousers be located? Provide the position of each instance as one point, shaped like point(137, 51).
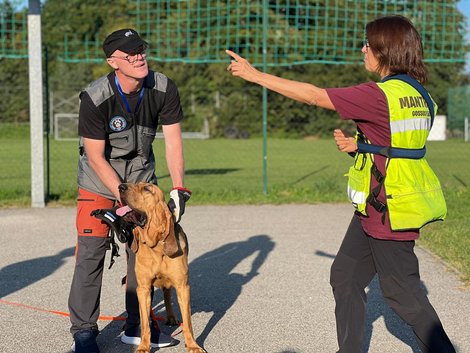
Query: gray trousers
point(359, 258)
point(85, 292)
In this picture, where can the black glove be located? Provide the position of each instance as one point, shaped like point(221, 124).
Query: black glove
point(178, 198)
point(121, 228)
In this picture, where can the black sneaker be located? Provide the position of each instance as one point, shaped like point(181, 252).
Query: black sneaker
point(157, 338)
point(84, 341)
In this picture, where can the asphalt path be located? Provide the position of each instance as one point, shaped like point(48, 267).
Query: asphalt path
point(259, 283)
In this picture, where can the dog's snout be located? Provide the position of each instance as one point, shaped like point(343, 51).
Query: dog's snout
point(122, 187)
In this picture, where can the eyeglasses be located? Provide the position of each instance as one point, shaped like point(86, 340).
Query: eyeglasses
point(132, 58)
point(366, 44)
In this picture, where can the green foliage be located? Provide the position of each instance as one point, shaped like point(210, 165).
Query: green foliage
point(86, 20)
point(207, 91)
point(14, 105)
point(441, 77)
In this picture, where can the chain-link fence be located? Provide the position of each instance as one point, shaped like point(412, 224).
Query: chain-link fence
point(458, 110)
point(187, 41)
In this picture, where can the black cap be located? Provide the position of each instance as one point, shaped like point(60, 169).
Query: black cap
point(125, 40)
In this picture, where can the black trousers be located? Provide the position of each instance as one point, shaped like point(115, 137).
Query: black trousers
point(359, 258)
point(85, 291)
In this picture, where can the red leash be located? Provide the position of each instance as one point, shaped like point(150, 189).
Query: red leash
point(155, 318)
point(61, 313)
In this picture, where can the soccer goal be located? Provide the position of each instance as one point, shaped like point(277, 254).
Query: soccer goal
point(66, 128)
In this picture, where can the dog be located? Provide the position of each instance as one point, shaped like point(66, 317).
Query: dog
point(161, 249)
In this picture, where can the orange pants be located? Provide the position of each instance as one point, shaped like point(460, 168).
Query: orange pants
point(92, 244)
point(88, 225)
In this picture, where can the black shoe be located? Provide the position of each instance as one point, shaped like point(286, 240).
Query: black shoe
point(84, 341)
point(157, 338)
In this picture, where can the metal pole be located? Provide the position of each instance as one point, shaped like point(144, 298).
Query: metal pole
point(48, 126)
point(265, 100)
point(465, 132)
point(36, 104)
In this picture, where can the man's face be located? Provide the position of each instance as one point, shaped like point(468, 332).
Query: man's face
point(129, 64)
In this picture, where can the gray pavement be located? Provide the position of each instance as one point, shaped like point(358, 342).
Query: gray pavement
point(259, 283)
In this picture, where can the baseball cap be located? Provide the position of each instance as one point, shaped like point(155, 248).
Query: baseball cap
point(125, 40)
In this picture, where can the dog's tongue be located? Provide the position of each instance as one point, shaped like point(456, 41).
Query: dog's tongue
point(121, 211)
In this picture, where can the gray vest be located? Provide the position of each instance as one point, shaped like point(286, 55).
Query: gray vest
point(129, 152)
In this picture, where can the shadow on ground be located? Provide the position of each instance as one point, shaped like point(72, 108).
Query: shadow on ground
point(214, 288)
point(22, 274)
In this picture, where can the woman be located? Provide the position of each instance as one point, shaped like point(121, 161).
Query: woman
point(391, 186)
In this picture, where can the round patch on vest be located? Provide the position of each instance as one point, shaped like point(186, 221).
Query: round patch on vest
point(117, 123)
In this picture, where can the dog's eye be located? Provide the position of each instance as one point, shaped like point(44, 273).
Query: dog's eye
point(148, 189)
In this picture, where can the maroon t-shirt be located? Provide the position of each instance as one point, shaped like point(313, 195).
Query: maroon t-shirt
point(367, 106)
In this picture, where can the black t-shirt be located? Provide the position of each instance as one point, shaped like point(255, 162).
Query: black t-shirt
point(95, 125)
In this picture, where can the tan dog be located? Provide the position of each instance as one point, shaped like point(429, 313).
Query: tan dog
point(161, 249)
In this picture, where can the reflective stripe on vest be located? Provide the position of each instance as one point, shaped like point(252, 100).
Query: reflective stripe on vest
point(359, 181)
point(410, 118)
point(410, 125)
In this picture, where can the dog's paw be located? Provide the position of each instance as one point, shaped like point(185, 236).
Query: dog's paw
point(142, 349)
point(196, 350)
point(172, 321)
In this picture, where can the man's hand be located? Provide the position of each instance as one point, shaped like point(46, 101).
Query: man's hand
point(118, 225)
point(345, 143)
point(178, 198)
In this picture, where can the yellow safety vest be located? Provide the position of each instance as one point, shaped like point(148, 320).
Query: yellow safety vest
point(413, 193)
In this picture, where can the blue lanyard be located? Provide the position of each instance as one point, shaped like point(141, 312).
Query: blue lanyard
point(124, 97)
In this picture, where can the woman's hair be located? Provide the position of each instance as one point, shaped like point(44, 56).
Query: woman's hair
point(397, 46)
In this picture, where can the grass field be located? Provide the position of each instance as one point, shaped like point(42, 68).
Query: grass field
point(231, 172)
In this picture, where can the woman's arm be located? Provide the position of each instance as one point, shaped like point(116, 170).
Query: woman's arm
point(299, 91)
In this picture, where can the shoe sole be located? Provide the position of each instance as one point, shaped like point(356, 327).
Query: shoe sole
point(136, 341)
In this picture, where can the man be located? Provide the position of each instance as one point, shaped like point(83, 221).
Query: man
point(118, 119)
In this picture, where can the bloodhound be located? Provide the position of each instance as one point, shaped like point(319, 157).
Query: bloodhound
point(161, 249)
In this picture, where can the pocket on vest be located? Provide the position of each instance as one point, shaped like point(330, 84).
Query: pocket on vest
point(414, 210)
point(122, 144)
point(414, 195)
point(358, 188)
point(145, 137)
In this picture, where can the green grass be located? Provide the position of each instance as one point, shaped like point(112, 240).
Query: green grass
point(450, 239)
point(231, 172)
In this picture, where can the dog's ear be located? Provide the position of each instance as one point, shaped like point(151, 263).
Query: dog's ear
point(135, 241)
point(157, 226)
point(170, 245)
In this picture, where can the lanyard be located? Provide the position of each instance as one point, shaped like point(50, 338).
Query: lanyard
point(124, 97)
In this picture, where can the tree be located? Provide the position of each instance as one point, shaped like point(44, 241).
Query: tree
point(187, 41)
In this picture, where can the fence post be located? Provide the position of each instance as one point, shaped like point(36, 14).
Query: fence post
point(465, 132)
point(265, 99)
point(36, 104)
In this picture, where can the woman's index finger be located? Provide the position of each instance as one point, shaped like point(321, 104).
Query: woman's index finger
point(233, 55)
